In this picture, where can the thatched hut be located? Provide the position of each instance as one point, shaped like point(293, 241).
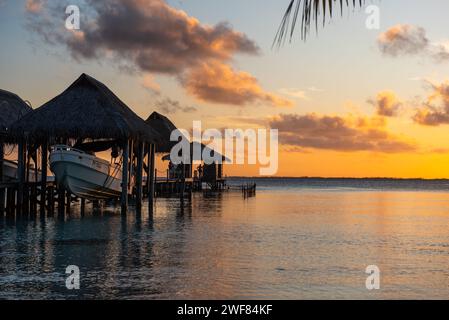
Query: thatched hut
point(12, 108)
point(164, 127)
point(210, 172)
point(88, 110)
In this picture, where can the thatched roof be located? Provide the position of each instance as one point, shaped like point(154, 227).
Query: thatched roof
point(203, 148)
point(12, 108)
point(86, 109)
point(164, 127)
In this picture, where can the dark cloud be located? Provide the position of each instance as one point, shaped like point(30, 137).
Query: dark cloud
point(146, 35)
point(338, 134)
point(386, 104)
point(435, 110)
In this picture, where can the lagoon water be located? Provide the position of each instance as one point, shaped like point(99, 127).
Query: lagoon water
point(296, 239)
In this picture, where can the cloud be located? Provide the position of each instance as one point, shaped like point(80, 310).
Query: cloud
point(34, 6)
point(146, 36)
point(294, 93)
point(299, 93)
point(441, 52)
point(405, 39)
point(169, 106)
point(386, 104)
point(338, 133)
point(149, 83)
point(435, 110)
point(219, 83)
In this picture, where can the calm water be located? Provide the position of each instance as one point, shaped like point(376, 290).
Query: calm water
point(297, 239)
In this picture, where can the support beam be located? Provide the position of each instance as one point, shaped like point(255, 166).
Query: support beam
point(61, 201)
point(131, 167)
point(124, 197)
point(44, 165)
point(21, 176)
point(183, 183)
point(68, 202)
point(139, 173)
point(152, 159)
point(83, 207)
point(148, 166)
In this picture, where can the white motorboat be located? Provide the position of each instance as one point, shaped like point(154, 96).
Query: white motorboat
point(10, 172)
point(84, 174)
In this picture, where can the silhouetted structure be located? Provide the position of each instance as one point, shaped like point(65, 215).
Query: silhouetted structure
point(86, 111)
point(12, 108)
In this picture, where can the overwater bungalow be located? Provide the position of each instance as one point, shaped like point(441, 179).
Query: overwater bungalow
point(85, 119)
point(211, 175)
point(12, 108)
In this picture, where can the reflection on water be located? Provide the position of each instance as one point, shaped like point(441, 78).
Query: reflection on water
point(293, 245)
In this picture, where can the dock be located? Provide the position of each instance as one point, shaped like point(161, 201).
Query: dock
point(65, 120)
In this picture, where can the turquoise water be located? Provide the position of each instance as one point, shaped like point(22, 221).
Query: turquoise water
point(296, 239)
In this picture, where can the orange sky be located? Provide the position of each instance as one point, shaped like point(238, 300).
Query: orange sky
point(348, 102)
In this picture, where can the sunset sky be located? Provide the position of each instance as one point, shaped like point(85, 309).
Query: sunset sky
point(348, 102)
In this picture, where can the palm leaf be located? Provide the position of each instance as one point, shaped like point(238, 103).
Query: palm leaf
point(310, 10)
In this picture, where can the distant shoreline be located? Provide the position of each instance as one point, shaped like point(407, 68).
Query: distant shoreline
point(338, 178)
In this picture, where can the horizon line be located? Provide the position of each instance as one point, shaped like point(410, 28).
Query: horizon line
point(333, 178)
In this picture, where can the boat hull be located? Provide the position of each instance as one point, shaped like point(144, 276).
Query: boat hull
point(10, 172)
point(84, 175)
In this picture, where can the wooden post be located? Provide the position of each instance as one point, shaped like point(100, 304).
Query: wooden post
point(83, 207)
point(51, 201)
point(26, 199)
point(10, 202)
point(152, 175)
point(43, 176)
point(131, 167)
point(147, 169)
point(33, 203)
point(183, 183)
point(124, 197)
point(2, 190)
point(69, 201)
point(21, 176)
point(61, 201)
point(139, 177)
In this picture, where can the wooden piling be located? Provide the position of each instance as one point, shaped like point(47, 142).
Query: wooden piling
point(33, 199)
point(130, 166)
point(61, 201)
point(26, 199)
point(124, 196)
point(44, 165)
point(183, 184)
point(152, 159)
point(139, 173)
point(10, 202)
point(21, 175)
point(51, 201)
point(83, 207)
point(68, 201)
